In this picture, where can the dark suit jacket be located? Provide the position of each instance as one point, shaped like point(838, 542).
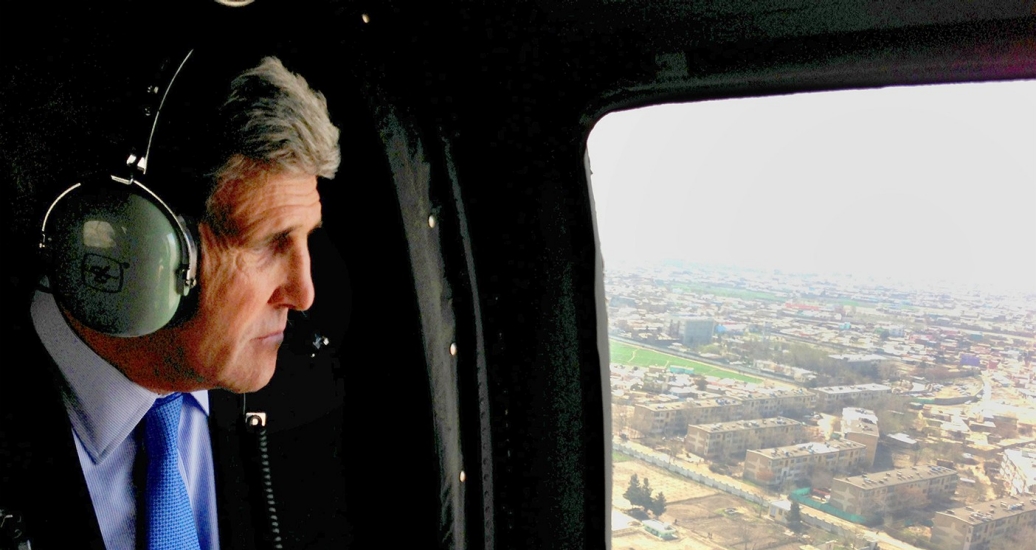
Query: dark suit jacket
point(40, 475)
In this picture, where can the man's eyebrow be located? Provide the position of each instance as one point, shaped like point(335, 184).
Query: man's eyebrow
point(283, 234)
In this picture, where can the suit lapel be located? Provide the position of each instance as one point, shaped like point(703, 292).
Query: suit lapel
point(234, 496)
point(40, 474)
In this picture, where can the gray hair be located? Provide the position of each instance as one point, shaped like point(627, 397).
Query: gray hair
point(273, 122)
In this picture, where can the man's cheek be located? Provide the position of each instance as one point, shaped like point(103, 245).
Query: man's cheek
point(219, 271)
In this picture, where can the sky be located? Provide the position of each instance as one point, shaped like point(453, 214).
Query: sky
point(914, 183)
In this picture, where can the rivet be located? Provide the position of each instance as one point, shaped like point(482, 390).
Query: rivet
point(366, 18)
point(453, 349)
point(431, 221)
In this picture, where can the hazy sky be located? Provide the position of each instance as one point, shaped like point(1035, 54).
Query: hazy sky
point(920, 182)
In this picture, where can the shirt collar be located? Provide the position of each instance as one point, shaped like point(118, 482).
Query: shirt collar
point(103, 405)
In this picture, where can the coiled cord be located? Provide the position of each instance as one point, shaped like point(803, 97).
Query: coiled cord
point(267, 483)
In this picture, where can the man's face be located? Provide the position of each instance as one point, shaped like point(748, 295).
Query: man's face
point(254, 269)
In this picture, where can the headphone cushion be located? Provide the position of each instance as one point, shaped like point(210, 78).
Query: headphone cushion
point(116, 259)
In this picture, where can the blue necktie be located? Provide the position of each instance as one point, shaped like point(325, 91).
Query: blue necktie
point(167, 509)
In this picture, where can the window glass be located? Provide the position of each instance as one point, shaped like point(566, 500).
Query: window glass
point(826, 294)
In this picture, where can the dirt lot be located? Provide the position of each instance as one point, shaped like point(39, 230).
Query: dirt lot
point(676, 488)
point(641, 540)
point(711, 518)
point(698, 513)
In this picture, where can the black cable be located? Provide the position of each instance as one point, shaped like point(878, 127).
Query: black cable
point(267, 483)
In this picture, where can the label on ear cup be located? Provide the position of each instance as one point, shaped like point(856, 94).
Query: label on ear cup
point(103, 274)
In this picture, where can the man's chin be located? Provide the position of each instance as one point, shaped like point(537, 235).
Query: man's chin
point(253, 383)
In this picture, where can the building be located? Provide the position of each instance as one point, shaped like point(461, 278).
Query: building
point(861, 426)
point(1018, 471)
point(656, 380)
point(794, 463)
point(706, 411)
point(834, 398)
point(794, 373)
point(695, 331)
point(773, 402)
point(974, 527)
point(894, 490)
point(660, 529)
point(902, 441)
point(724, 439)
point(859, 361)
point(660, 419)
point(780, 510)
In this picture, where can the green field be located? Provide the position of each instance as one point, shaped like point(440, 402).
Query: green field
point(626, 354)
point(741, 293)
point(760, 295)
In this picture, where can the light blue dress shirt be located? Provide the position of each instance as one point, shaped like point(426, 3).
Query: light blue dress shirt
point(105, 407)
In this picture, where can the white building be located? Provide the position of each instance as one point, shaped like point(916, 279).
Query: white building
point(1018, 471)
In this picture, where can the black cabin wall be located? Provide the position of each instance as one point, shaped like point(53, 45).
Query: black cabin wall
point(502, 99)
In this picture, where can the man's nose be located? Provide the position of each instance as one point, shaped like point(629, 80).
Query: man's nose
point(298, 288)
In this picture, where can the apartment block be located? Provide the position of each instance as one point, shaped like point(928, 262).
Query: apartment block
point(706, 411)
point(660, 419)
point(861, 426)
point(975, 527)
point(835, 398)
point(1018, 471)
point(893, 490)
point(776, 465)
point(734, 438)
point(656, 380)
point(774, 402)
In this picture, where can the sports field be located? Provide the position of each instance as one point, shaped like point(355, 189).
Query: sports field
point(626, 354)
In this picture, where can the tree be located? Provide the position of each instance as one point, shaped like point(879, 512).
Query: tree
point(673, 447)
point(640, 495)
point(701, 383)
point(657, 505)
point(821, 476)
point(637, 494)
point(795, 517)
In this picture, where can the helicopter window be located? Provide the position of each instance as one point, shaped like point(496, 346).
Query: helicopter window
point(813, 296)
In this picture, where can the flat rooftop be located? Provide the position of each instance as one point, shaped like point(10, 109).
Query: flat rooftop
point(856, 412)
point(899, 476)
point(747, 395)
point(674, 406)
point(859, 388)
point(857, 358)
point(717, 402)
point(737, 425)
point(992, 510)
point(1024, 460)
point(806, 449)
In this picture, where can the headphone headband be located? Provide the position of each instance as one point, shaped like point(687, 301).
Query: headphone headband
point(119, 257)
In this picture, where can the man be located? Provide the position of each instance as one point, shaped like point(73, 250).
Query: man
point(272, 138)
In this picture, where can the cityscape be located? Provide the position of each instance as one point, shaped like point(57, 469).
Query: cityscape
point(756, 408)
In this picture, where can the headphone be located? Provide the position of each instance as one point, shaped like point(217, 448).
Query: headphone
point(118, 257)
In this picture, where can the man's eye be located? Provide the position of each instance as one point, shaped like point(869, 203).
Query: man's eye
point(276, 243)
